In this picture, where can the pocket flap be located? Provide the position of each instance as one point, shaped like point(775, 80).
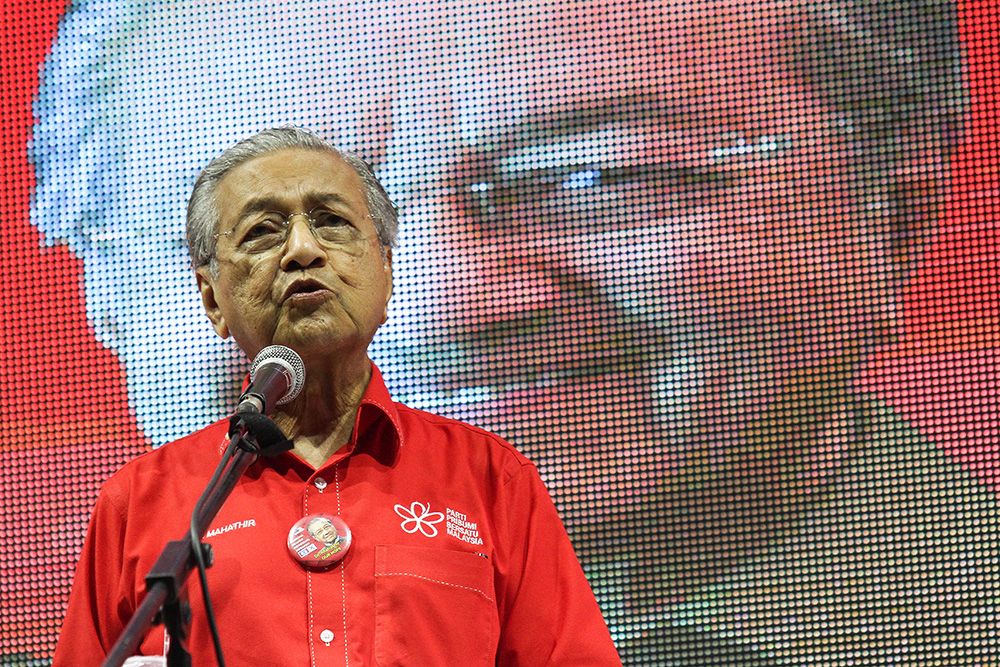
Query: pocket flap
point(441, 567)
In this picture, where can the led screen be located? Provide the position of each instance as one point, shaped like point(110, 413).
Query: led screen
point(725, 271)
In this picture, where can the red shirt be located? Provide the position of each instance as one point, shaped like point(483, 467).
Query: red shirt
point(458, 556)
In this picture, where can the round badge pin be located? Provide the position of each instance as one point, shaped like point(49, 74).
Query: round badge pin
point(319, 541)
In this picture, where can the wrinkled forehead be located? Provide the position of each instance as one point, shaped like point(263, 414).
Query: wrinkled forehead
point(289, 180)
point(543, 56)
point(157, 90)
point(472, 72)
point(207, 74)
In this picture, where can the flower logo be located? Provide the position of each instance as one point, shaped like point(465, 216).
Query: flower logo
point(419, 517)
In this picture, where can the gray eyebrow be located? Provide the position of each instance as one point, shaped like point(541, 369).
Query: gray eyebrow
point(558, 124)
point(258, 205)
point(277, 204)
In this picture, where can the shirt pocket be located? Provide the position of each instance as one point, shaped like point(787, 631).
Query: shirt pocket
point(433, 607)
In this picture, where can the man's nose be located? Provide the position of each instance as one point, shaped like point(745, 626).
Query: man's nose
point(302, 249)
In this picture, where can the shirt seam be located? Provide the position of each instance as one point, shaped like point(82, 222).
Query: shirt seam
point(492, 439)
point(343, 576)
point(309, 594)
point(435, 581)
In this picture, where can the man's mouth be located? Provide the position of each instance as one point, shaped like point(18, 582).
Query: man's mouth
point(305, 290)
point(572, 340)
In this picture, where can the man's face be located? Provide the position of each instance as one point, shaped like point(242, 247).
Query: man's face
point(323, 530)
point(300, 263)
point(636, 236)
point(665, 255)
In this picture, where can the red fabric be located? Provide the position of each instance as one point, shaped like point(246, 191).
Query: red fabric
point(425, 597)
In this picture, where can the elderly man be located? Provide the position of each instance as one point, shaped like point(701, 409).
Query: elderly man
point(679, 240)
point(291, 241)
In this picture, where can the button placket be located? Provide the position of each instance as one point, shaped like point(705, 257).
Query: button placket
point(326, 603)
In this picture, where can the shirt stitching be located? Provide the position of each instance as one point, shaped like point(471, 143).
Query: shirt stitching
point(491, 438)
point(435, 581)
point(309, 592)
point(388, 414)
point(343, 576)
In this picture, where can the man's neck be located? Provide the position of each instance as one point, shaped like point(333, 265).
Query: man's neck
point(316, 451)
point(321, 420)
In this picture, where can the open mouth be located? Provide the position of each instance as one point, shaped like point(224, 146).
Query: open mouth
point(306, 289)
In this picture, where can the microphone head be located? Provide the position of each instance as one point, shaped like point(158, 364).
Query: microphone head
point(290, 361)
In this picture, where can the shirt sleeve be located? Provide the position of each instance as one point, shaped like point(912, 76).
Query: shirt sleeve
point(97, 603)
point(548, 614)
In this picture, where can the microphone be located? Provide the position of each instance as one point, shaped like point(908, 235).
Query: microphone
point(277, 376)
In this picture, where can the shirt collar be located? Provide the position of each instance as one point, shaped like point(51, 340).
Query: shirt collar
point(376, 406)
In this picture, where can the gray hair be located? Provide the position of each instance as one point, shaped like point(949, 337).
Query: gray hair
point(203, 214)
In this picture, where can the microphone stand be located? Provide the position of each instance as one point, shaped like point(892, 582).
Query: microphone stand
point(251, 435)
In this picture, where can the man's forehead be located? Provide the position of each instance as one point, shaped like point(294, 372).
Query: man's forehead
point(364, 74)
point(340, 73)
point(292, 177)
point(532, 56)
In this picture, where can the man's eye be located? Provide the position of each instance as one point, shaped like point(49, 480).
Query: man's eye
point(668, 176)
point(594, 188)
point(332, 228)
point(323, 218)
point(654, 175)
point(265, 229)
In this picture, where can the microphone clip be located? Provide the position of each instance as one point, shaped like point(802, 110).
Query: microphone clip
point(258, 434)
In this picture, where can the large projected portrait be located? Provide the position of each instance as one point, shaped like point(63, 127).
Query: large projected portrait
point(652, 244)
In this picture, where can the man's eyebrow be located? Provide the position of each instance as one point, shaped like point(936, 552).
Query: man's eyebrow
point(258, 205)
point(561, 124)
point(313, 200)
point(280, 205)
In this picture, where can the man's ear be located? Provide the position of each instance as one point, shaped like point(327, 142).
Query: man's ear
point(206, 287)
point(387, 268)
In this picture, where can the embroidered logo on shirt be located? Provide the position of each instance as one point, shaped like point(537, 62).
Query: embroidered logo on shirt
point(419, 516)
point(459, 526)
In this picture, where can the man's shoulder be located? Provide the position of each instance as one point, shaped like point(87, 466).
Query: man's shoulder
point(891, 563)
point(900, 466)
point(191, 454)
point(421, 426)
point(168, 477)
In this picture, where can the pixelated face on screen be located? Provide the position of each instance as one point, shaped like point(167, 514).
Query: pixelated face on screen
point(657, 211)
point(650, 243)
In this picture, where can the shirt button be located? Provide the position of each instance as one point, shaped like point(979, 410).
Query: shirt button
point(319, 483)
point(326, 636)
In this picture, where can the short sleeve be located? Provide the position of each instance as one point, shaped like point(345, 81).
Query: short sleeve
point(548, 613)
point(97, 603)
